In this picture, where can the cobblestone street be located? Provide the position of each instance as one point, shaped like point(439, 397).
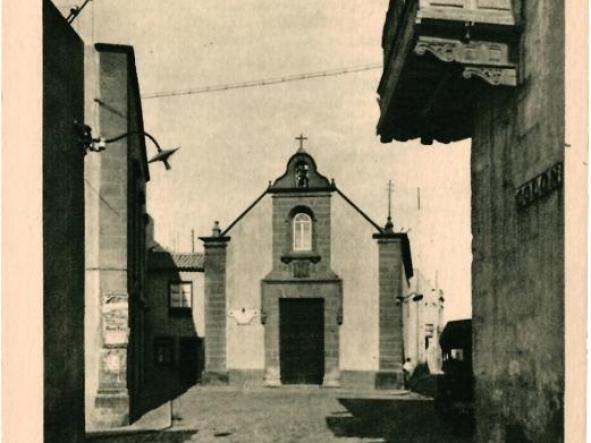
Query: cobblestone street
point(306, 414)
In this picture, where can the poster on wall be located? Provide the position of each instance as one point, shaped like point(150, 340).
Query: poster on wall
point(115, 320)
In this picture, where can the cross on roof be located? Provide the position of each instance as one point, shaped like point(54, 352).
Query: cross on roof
point(301, 139)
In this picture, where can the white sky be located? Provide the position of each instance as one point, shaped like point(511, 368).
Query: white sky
point(234, 142)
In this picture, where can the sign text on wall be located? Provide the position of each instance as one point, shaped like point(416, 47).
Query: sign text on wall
point(539, 186)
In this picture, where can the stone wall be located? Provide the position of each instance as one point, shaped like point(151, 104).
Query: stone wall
point(110, 402)
point(115, 239)
point(248, 261)
point(355, 260)
point(518, 266)
point(92, 210)
point(63, 231)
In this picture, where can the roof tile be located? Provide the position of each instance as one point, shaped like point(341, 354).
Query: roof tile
point(164, 260)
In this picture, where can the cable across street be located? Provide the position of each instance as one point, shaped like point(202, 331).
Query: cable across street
point(263, 82)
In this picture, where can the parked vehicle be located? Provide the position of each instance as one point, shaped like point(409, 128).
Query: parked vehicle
point(455, 387)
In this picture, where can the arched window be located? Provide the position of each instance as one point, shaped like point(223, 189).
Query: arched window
point(302, 232)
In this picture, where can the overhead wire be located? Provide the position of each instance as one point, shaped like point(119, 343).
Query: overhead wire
point(262, 82)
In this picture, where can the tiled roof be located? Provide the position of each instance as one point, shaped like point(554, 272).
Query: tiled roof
point(164, 260)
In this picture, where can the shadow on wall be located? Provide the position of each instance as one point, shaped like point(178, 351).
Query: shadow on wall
point(173, 351)
point(395, 420)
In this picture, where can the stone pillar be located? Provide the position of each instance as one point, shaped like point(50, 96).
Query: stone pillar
point(391, 338)
point(108, 335)
point(270, 318)
point(333, 318)
point(214, 265)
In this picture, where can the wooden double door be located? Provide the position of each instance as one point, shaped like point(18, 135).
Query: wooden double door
point(301, 340)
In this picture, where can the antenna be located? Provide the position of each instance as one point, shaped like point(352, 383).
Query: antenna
point(389, 224)
point(390, 188)
point(193, 241)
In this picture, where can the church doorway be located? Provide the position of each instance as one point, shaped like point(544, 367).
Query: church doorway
point(301, 340)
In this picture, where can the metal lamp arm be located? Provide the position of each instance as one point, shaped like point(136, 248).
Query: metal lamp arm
point(98, 144)
point(127, 134)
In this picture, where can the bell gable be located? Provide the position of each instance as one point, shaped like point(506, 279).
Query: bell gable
point(301, 175)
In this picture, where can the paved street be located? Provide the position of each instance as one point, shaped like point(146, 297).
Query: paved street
point(306, 414)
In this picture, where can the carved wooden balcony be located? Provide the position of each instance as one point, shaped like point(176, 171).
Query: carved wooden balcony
point(438, 56)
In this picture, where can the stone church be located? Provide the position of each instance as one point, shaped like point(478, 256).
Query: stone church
point(304, 288)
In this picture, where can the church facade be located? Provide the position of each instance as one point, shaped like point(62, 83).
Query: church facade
point(304, 288)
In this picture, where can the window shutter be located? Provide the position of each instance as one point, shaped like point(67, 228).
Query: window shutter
point(444, 3)
point(468, 5)
point(500, 5)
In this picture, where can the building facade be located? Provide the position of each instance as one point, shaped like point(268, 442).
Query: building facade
point(305, 289)
point(493, 71)
point(174, 324)
point(116, 217)
point(422, 318)
point(63, 230)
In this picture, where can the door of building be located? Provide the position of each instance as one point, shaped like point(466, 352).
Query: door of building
point(190, 361)
point(301, 340)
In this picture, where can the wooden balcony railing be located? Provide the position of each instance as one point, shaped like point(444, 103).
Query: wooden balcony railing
point(436, 55)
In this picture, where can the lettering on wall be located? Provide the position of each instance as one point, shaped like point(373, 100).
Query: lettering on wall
point(539, 186)
point(115, 319)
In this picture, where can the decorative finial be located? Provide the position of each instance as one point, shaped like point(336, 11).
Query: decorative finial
point(389, 225)
point(216, 231)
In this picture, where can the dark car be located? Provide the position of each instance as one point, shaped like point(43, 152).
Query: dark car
point(455, 387)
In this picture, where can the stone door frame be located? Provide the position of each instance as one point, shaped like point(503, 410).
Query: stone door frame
point(328, 290)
